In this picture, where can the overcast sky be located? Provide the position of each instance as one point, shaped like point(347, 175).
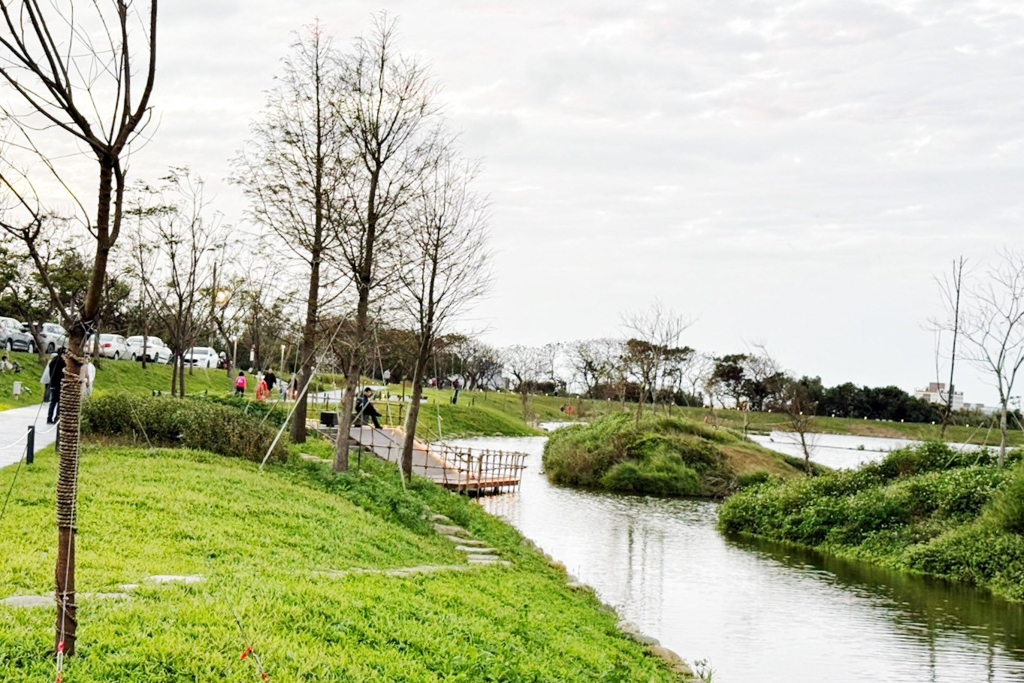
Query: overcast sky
point(792, 173)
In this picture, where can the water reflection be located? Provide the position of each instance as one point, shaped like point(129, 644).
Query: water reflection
point(758, 611)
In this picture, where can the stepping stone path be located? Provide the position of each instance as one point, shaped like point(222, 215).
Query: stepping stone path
point(38, 601)
point(477, 552)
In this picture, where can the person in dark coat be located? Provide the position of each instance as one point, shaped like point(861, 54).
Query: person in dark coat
point(56, 369)
point(365, 409)
point(271, 379)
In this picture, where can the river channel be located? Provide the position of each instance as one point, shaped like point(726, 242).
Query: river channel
point(759, 612)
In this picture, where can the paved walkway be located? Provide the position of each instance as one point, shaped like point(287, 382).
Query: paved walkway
point(14, 428)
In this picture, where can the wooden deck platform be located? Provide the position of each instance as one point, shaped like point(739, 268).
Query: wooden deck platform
point(479, 472)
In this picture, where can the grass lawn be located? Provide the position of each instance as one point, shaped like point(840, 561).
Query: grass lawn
point(260, 540)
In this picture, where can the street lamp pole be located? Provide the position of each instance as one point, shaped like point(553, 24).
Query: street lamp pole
point(282, 358)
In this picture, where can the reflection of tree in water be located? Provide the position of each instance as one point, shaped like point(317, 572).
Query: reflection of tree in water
point(645, 572)
point(940, 607)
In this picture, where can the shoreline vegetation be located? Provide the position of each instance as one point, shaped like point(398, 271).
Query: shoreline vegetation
point(660, 455)
point(925, 509)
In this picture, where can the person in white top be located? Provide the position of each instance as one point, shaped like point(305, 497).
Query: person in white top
point(88, 378)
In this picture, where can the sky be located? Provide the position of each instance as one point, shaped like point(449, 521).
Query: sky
point(792, 173)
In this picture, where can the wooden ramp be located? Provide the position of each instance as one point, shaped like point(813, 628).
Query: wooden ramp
point(481, 472)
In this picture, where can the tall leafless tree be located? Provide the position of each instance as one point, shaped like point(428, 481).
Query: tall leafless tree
point(991, 323)
point(294, 170)
point(526, 366)
point(72, 74)
point(186, 239)
point(387, 110)
point(445, 266)
point(950, 289)
point(653, 337)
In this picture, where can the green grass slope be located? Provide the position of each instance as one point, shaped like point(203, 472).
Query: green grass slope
point(925, 509)
point(261, 541)
point(667, 456)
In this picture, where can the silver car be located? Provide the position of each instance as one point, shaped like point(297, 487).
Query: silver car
point(53, 336)
point(14, 337)
point(152, 347)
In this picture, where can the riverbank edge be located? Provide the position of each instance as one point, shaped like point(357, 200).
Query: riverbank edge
point(837, 553)
point(675, 663)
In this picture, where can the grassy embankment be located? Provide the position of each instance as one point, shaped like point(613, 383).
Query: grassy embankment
point(925, 509)
point(669, 456)
point(263, 543)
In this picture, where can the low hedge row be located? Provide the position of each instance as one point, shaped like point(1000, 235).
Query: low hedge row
point(191, 423)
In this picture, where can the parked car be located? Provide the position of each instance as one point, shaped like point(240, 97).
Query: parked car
point(14, 337)
point(154, 350)
point(53, 336)
point(110, 346)
point(201, 357)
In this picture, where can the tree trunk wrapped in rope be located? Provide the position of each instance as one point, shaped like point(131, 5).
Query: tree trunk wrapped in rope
point(67, 494)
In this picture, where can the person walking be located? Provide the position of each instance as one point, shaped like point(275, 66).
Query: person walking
point(240, 384)
point(56, 375)
point(365, 409)
point(262, 392)
point(283, 388)
point(271, 379)
point(88, 378)
point(457, 386)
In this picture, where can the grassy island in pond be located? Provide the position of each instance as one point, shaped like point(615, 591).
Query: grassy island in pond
point(665, 456)
point(926, 509)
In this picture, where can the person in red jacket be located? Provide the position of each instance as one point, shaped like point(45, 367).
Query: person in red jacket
point(240, 384)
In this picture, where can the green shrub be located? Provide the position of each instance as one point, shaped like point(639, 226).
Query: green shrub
point(752, 479)
point(1008, 506)
point(927, 508)
point(661, 455)
point(198, 424)
point(660, 476)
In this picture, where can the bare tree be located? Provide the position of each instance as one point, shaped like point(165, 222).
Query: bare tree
point(991, 324)
point(950, 289)
point(481, 364)
point(294, 170)
point(185, 240)
point(654, 336)
point(73, 70)
point(526, 366)
point(799, 406)
point(386, 110)
point(446, 265)
point(592, 362)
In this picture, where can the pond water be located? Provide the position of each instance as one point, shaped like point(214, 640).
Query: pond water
point(759, 612)
point(840, 451)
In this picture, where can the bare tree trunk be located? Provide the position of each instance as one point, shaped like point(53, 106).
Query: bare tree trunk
point(308, 346)
point(174, 374)
point(413, 416)
point(70, 420)
point(958, 271)
point(1002, 436)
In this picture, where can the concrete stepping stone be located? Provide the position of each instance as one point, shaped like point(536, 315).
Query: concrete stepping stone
point(447, 530)
point(29, 601)
point(187, 579)
point(39, 601)
point(475, 550)
point(440, 518)
point(464, 541)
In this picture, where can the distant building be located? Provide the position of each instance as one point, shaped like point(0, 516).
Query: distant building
point(937, 393)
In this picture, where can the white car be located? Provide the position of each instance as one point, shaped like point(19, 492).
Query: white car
point(53, 336)
point(201, 357)
point(153, 348)
point(110, 346)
